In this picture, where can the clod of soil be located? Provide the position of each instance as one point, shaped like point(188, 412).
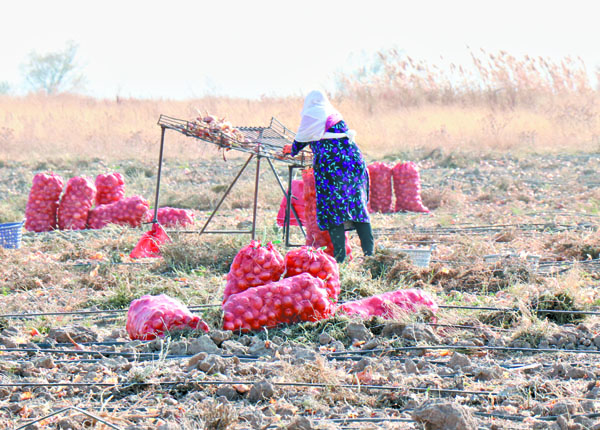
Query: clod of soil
point(445, 416)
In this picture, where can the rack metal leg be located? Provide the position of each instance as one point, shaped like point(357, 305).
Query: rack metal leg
point(227, 193)
point(288, 215)
point(160, 161)
point(289, 208)
point(256, 180)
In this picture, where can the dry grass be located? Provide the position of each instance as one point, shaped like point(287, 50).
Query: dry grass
point(73, 127)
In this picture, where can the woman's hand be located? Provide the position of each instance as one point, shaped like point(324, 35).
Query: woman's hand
point(286, 152)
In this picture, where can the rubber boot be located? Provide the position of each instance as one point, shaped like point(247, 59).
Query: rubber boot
point(365, 234)
point(338, 239)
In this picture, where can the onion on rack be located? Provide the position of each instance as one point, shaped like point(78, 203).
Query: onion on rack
point(216, 130)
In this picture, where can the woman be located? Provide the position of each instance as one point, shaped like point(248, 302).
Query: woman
point(341, 176)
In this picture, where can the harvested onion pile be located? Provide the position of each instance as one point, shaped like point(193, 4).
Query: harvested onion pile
point(256, 297)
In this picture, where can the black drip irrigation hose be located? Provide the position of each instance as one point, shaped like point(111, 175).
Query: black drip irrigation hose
point(58, 345)
point(463, 347)
point(467, 327)
point(342, 421)
point(376, 420)
point(332, 356)
point(541, 418)
point(492, 228)
point(67, 409)
point(130, 384)
point(198, 383)
point(92, 312)
point(512, 310)
point(106, 263)
point(104, 353)
point(283, 384)
point(348, 356)
point(376, 411)
point(217, 305)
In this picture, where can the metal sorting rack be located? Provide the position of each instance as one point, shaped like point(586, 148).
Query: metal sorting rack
point(261, 143)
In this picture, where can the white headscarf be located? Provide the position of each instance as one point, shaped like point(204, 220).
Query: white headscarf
point(315, 112)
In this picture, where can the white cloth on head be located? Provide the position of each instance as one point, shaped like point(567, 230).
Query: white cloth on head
point(315, 112)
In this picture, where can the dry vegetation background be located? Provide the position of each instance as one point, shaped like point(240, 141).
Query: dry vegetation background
point(397, 105)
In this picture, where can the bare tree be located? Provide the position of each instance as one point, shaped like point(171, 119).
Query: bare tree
point(54, 72)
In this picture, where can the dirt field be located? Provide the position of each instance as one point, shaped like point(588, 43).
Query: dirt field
point(489, 359)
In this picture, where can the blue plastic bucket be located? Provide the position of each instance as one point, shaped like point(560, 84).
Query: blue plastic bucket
point(11, 234)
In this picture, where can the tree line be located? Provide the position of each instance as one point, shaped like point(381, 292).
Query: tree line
point(52, 73)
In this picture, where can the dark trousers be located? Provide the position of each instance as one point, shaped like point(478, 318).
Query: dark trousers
point(338, 239)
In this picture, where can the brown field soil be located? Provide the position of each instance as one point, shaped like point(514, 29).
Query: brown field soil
point(488, 359)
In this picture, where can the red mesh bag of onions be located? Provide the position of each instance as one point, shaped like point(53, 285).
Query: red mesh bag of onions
point(254, 265)
point(316, 263)
point(298, 298)
point(172, 217)
point(380, 187)
point(110, 188)
point(297, 203)
point(128, 211)
point(151, 316)
point(42, 203)
point(407, 187)
point(389, 305)
point(75, 204)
